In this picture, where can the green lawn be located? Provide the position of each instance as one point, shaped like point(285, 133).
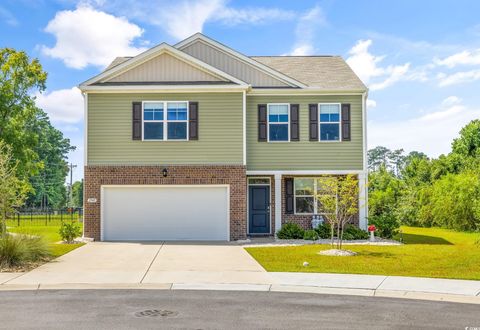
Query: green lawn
point(428, 252)
point(50, 234)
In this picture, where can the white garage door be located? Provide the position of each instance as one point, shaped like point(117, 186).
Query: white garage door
point(151, 213)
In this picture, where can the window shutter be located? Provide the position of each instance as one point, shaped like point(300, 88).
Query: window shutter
point(294, 126)
point(313, 121)
point(136, 120)
point(262, 122)
point(193, 120)
point(346, 126)
point(289, 196)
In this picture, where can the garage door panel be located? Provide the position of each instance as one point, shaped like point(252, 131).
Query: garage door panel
point(165, 213)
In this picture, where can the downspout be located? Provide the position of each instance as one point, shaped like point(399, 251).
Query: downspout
point(365, 152)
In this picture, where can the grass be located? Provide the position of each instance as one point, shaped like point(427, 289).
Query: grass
point(50, 234)
point(428, 252)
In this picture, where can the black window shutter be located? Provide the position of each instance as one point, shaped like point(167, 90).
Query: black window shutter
point(193, 120)
point(289, 196)
point(313, 121)
point(294, 126)
point(262, 122)
point(346, 123)
point(136, 120)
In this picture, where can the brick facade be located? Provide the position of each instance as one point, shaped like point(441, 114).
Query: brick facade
point(233, 175)
point(304, 220)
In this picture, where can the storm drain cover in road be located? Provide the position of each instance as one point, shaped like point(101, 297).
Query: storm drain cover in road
point(156, 313)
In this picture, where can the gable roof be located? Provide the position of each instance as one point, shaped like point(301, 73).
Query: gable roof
point(327, 73)
point(200, 38)
point(324, 72)
point(122, 65)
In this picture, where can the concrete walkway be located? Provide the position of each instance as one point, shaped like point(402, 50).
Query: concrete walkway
point(181, 266)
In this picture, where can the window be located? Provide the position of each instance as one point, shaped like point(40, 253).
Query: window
point(278, 122)
point(258, 181)
point(165, 120)
point(307, 191)
point(329, 122)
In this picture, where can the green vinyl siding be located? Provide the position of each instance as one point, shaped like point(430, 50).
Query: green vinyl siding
point(304, 154)
point(110, 131)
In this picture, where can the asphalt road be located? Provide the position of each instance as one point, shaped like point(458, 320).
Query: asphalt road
point(147, 309)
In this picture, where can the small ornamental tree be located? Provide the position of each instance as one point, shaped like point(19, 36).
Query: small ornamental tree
point(338, 199)
point(12, 190)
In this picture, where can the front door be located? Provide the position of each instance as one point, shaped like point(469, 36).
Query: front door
point(259, 209)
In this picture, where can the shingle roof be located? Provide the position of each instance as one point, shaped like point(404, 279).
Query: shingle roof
point(326, 72)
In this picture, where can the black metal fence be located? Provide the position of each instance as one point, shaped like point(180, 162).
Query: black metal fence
point(47, 217)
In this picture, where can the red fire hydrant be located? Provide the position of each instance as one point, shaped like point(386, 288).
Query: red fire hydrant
point(371, 230)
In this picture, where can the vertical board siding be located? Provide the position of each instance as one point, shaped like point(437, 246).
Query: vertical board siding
point(164, 68)
point(304, 154)
point(231, 65)
point(110, 131)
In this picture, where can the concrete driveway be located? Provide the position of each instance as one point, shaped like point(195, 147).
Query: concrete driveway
point(149, 263)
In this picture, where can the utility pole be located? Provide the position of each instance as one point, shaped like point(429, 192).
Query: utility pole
point(70, 197)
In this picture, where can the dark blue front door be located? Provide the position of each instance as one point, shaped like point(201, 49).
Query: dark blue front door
point(259, 209)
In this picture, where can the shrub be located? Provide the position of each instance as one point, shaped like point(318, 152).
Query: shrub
point(19, 249)
point(351, 232)
point(323, 230)
point(387, 226)
point(69, 231)
point(310, 235)
point(290, 231)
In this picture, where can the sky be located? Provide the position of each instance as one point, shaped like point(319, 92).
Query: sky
point(420, 59)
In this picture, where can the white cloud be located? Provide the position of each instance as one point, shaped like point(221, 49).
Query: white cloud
point(367, 66)
point(462, 58)
point(431, 133)
point(182, 18)
point(8, 17)
point(396, 73)
point(86, 36)
point(62, 106)
point(371, 104)
point(458, 77)
point(305, 31)
point(451, 100)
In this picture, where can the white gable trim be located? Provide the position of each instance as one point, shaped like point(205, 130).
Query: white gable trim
point(153, 52)
point(259, 66)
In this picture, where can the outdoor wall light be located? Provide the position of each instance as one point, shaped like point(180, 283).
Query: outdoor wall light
point(165, 172)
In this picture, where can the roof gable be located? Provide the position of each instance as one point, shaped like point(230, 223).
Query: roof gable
point(162, 63)
point(165, 68)
point(235, 63)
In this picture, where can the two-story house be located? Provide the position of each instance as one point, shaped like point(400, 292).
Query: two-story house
point(197, 141)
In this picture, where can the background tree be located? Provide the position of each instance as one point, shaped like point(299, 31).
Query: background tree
point(339, 201)
point(377, 157)
point(468, 144)
point(38, 148)
point(52, 149)
point(77, 193)
point(443, 191)
point(20, 77)
point(12, 189)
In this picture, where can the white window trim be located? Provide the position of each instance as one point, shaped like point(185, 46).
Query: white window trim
point(268, 122)
point(339, 123)
point(315, 205)
point(165, 122)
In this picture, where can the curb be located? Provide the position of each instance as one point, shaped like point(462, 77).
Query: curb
point(374, 293)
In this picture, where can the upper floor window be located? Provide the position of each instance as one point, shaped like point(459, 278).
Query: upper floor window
point(278, 122)
point(329, 121)
point(165, 120)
